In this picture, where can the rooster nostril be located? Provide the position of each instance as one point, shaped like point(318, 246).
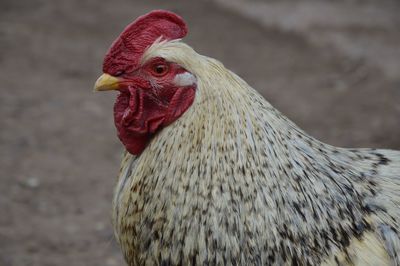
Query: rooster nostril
point(119, 73)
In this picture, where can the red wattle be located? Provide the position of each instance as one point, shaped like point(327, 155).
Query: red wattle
point(139, 114)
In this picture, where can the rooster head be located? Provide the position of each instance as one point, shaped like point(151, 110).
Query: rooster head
point(154, 92)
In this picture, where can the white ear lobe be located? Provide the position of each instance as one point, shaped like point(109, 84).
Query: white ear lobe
point(184, 79)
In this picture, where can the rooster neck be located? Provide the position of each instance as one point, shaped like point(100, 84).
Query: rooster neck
point(233, 166)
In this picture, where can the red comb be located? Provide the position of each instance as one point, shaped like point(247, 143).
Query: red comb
point(127, 49)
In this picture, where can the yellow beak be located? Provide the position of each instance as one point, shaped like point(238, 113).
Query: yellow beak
point(106, 82)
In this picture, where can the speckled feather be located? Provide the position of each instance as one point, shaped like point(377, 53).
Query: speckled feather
point(234, 182)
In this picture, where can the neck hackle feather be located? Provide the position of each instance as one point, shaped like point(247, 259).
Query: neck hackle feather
point(235, 181)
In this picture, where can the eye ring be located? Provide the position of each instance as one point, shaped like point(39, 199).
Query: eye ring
point(160, 69)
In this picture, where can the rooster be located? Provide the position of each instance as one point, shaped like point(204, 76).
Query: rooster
point(215, 175)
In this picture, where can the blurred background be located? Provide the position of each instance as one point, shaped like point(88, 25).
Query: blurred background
point(333, 67)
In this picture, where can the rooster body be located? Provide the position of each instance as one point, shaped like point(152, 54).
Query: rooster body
point(234, 182)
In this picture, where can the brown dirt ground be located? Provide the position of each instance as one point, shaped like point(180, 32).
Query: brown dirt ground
point(59, 153)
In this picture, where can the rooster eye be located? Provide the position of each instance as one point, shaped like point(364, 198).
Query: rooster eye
point(160, 69)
